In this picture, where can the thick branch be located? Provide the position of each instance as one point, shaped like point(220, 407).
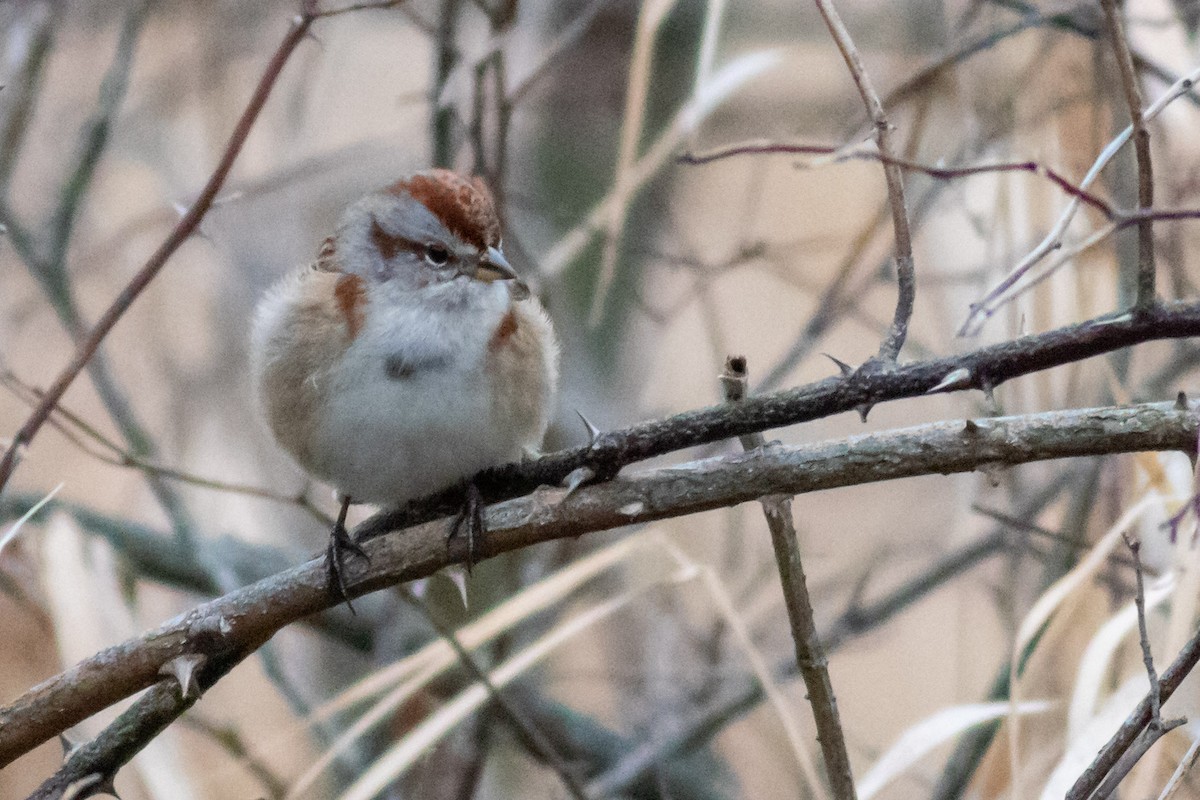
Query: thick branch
point(245, 617)
point(984, 369)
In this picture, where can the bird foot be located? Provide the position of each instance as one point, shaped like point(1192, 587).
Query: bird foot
point(470, 519)
point(341, 543)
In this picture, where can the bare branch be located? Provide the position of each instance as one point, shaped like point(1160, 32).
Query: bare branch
point(810, 655)
point(841, 154)
point(905, 274)
point(983, 369)
point(246, 617)
point(1157, 727)
point(1141, 144)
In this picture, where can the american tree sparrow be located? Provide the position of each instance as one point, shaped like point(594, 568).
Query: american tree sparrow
point(409, 355)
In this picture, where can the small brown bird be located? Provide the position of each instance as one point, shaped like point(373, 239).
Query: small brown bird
point(409, 356)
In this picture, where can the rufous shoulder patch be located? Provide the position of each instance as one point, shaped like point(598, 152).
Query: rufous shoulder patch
point(464, 205)
point(504, 331)
point(350, 292)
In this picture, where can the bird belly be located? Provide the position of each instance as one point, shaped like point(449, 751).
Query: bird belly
point(388, 439)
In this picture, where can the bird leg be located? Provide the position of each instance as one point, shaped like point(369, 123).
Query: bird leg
point(470, 518)
point(341, 542)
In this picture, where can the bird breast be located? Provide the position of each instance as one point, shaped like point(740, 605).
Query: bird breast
point(403, 394)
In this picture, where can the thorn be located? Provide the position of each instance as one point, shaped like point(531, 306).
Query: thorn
point(971, 427)
point(863, 410)
point(1117, 320)
point(576, 478)
point(956, 379)
point(90, 786)
point(69, 746)
point(842, 366)
point(632, 509)
point(458, 576)
point(1181, 401)
point(592, 431)
point(183, 669)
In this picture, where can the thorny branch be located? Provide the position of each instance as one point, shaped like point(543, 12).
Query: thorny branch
point(906, 279)
point(858, 390)
point(243, 619)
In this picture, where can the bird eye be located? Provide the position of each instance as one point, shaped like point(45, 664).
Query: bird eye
point(437, 255)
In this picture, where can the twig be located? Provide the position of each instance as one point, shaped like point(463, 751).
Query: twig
point(842, 154)
point(447, 58)
point(526, 729)
point(1053, 240)
point(364, 6)
point(889, 350)
point(1145, 725)
point(1141, 144)
point(248, 616)
point(95, 139)
point(182, 231)
point(23, 88)
point(1156, 727)
point(1135, 547)
point(810, 655)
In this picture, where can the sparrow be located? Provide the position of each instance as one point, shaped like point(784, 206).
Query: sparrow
point(409, 356)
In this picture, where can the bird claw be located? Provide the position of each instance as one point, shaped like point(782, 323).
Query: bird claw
point(471, 518)
point(341, 542)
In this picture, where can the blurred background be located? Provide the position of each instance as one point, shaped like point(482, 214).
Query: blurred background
point(657, 658)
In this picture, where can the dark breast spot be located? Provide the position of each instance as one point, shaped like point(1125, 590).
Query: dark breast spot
point(401, 367)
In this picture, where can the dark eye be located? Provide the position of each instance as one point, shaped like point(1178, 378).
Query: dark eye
point(437, 255)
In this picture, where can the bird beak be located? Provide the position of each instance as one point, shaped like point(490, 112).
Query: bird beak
point(495, 267)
